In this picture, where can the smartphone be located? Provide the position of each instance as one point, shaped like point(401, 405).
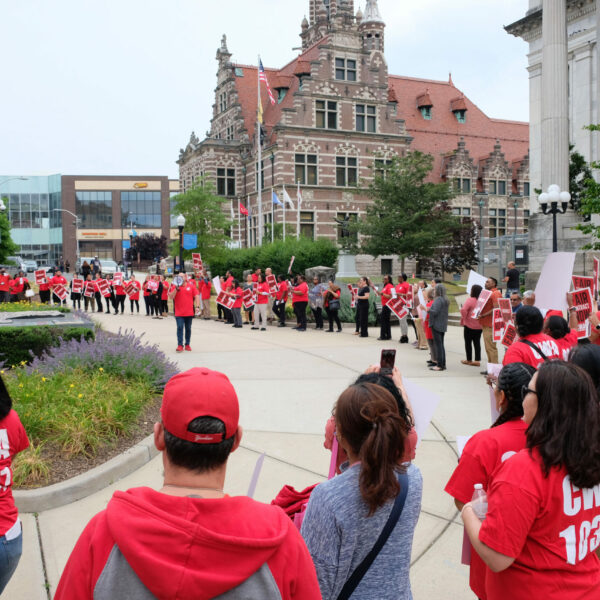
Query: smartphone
point(386, 364)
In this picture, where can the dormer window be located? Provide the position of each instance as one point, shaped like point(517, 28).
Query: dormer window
point(281, 94)
point(461, 115)
point(425, 105)
point(426, 112)
point(458, 106)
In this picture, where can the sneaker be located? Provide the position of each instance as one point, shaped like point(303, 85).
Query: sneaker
point(263, 328)
point(255, 328)
point(188, 348)
point(179, 349)
point(404, 339)
point(281, 325)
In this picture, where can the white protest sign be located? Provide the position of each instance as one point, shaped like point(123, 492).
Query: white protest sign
point(555, 281)
point(422, 301)
point(423, 404)
point(217, 284)
point(475, 279)
point(494, 371)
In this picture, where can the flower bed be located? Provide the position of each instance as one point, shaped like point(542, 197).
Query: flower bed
point(84, 401)
point(24, 306)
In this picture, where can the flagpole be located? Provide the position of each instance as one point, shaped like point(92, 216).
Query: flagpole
point(240, 223)
point(284, 203)
point(272, 218)
point(298, 213)
point(247, 218)
point(259, 169)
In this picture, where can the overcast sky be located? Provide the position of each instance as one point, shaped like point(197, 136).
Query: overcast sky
point(104, 87)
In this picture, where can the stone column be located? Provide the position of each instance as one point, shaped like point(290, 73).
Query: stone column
point(555, 107)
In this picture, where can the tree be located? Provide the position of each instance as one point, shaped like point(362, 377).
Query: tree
point(459, 253)
point(205, 216)
point(589, 202)
point(148, 247)
point(7, 246)
point(409, 217)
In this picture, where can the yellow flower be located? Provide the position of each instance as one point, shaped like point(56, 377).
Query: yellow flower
point(72, 385)
point(1, 372)
point(101, 369)
point(43, 379)
point(23, 362)
point(20, 385)
point(80, 395)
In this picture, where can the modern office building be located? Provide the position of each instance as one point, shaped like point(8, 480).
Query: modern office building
point(42, 211)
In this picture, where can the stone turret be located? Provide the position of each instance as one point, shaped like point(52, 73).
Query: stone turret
point(372, 28)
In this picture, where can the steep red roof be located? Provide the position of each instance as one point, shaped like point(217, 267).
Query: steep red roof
point(442, 133)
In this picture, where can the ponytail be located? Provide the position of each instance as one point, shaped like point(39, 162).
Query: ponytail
point(511, 380)
point(368, 419)
point(5, 400)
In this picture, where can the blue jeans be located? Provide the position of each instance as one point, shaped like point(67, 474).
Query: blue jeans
point(10, 553)
point(181, 323)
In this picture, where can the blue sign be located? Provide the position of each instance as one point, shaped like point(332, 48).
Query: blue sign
point(133, 233)
point(190, 241)
point(126, 245)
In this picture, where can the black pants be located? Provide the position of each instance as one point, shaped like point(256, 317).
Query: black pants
point(357, 318)
point(44, 297)
point(472, 336)
point(157, 305)
point(228, 315)
point(98, 297)
point(109, 302)
point(363, 317)
point(120, 301)
point(332, 315)
point(220, 311)
point(57, 300)
point(137, 304)
point(300, 312)
point(411, 320)
point(165, 306)
point(279, 310)
point(386, 330)
point(318, 315)
point(148, 306)
point(440, 351)
point(76, 299)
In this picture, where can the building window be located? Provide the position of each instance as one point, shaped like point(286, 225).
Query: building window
point(326, 114)
point(142, 209)
point(345, 69)
point(466, 185)
point(239, 72)
point(307, 225)
point(525, 221)
point(346, 171)
point(466, 212)
point(502, 188)
point(306, 169)
point(262, 175)
point(94, 209)
point(456, 211)
point(493, 189)
point(348, 218)
point(461, 116)
point(386, 266)
point(526, 188)
point(222, 101)
point(226, 182)
point(497, 224)
point(425, 112)
point(381, 167)
point(229, 132)
point(366, 118)
point(281, 92)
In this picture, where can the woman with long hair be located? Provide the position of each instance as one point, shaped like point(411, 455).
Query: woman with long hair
point(346, 515)
point(438, 321)
point(362, 306)
point(471, 328)
point(541, 531)
point(331, 301)
point(13, 439)
point(386, 294)
point(488, 449)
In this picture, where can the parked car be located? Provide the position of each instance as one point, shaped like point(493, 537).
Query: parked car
point(108, 266)
point(31, 265)
point(18, 262)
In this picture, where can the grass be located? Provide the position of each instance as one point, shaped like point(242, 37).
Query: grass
point(25, 306)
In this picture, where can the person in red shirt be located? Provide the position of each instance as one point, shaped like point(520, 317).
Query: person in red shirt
point(164, 297)
point(120, 294)
point(4, 285)
point(387, 293)
point(331, 300)
point(564, 333)
point(300, 301)
point(471, 328)
point(238, 293)
point(533, 346)
point(58, 279)
point(542, 527)
point(13, 439)
point(485, 320)
point(186, 301)
point(227, 287)
point(135, 297)
point(17, 287)
point(262, 300)
point(182, 540)
point(488, 449)
point(146, 295)
point(205, 290)
point(44, 290)
point(402, 290)
point(281, 299)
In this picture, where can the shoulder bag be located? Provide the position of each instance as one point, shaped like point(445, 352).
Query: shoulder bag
point(532, 345)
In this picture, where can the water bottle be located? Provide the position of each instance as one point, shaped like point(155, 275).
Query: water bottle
point(479, 501)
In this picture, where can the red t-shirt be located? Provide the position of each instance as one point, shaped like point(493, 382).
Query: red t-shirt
point(136, 294)
point(228, 284)
point(567, 343)
point(254, 277)
point(303, 297)
point(58, 280)
point(44, 287)
point(145, 288)
point(426, 328)
point(17, 284)
point(239, 299)
point(205, 289)
point(165, 290)
point(184, 300)
point(282, 292)
point(402, 288)
point(13, 439)
point(4, 283)
point(482, 455)
point(120, 290)
point(261, 298)
point(521, 352)
point(387, 289)
point(551, 528)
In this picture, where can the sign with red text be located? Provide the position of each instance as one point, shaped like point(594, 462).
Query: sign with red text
point(248, 298)
point(398, 307)
point(153, 285)
point(353, 294)
point(118, 278)
point(505, 309)
point(40, 276)
point(77, 285)
point(103, 287)
point(272, 282)
point(197, 262)
point(582, 301)
point(61, 291)
point(89, 289)
point(510, 335)
point(224, 300)
point(580, 282)
point(498, 325)
point(131, 289)
point(484, 296)
point(410, 297)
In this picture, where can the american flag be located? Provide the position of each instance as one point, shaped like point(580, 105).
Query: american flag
point(262, 76)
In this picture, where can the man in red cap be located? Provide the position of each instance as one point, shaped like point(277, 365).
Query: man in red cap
point(190, 540)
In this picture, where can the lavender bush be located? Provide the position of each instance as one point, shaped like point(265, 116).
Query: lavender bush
point(124, 355)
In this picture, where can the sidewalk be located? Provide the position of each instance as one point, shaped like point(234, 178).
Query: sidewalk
point(287, 382)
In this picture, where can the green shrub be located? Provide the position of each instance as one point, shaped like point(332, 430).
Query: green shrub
point(17, 343)
point(25, 306)
point(348, 314)
point(308, 253)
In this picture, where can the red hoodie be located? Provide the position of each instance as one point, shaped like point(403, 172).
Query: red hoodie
point(188, 548)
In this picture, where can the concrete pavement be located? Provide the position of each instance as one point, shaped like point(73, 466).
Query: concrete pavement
point(287, 382)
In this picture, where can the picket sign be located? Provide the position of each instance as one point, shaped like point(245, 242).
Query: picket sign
point(353, 293)
point(197, 262)
point(118, 278)
point(580, 282)
point(497, 325)
point(40, 276)
point(410, 297)
point(248, 298)
point(89, 289)
point(272, 282)
point(77, 285)
point(61, 291)
point(555, 281)
point(510, 335)
point(505, 309)
point(224, 300)
point(484, 296)
point(582, 301)
point(104, 287)
point(130, 289)
point(398, 307)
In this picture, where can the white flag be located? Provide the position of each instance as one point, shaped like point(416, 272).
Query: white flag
point(287, 199)
point(299, 196)
point(232, 213)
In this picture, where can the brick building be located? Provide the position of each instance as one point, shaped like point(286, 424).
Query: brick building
point(338, 116)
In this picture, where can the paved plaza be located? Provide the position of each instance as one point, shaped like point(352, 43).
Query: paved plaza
point(287, 382)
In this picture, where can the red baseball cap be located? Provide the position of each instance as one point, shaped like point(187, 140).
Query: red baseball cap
point(554, 313)
point(199, 392)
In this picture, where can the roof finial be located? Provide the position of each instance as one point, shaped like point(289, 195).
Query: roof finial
point(224, 44)
point(372, 12)
point(450, 79)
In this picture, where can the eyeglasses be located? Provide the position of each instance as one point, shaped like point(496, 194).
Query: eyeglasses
point(526, 390)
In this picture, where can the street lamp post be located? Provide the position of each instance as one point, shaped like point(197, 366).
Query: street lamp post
point(481, 204)
point(76, 229)
point(180, 226)
point(554, 196)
